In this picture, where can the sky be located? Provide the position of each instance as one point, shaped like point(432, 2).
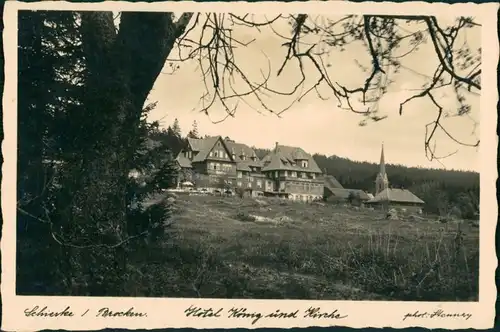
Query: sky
point(317, 125)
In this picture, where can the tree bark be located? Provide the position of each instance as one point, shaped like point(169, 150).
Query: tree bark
point(122, 68)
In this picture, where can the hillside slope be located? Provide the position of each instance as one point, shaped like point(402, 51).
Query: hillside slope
point(233, 248)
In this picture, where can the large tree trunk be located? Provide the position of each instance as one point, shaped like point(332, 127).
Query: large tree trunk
point(122, 68)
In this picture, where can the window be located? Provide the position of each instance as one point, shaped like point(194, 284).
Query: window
point(294, 174)
point(249, 185)
point(259, 183)
point(304, 175)
point(304, 163)
point(216, 153)
point(211, 153)
point(239, 183)
point(276, 174)
point(286, 173)
point(240, 175)
point(313, 175)
point(215, 166)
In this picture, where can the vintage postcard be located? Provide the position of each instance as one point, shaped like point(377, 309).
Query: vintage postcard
point(248, 165)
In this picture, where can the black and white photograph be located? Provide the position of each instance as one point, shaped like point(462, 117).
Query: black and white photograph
point(249, 155)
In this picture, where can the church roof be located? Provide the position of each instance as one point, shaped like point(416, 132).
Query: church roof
point(397, 196)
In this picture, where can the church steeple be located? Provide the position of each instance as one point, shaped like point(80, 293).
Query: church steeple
point(382, 161)
point(382, 182)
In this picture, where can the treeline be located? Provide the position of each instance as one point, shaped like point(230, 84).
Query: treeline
point(443, 191)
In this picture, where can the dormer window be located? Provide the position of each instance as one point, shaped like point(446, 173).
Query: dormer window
point(304, 163)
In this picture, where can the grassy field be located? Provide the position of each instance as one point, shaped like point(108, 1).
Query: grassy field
point(247, 248)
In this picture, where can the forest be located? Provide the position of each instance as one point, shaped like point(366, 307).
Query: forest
point(83, 83)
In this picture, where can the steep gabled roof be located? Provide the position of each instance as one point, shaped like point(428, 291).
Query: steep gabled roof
point(396, 195)
point(239, 149)
point(204, 145)
point(332, 182)
point(197, 144)
point(183, 161)
point(344, 193)
point(283, 158)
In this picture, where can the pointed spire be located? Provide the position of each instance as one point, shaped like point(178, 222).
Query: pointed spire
point(382, 161)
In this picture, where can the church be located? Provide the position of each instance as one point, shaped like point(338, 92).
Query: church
point(392, 198)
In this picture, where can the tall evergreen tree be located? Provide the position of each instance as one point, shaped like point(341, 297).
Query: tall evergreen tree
point(176, 128)
point(193, 133)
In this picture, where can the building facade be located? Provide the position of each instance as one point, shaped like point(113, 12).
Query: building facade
point(292, 173)
point(215, 163)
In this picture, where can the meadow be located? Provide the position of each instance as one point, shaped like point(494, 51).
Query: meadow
point(227, 247)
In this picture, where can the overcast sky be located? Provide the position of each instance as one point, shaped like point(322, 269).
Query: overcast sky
point(320, 126)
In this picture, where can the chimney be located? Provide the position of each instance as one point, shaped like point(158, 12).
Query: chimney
point(276, 147)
